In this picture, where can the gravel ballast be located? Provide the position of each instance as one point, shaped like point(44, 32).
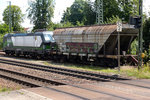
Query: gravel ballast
point(47, 75)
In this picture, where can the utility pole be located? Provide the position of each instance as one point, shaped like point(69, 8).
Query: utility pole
point(140, 37)
point(10, 23)
point(99, 12)
point(119, 29)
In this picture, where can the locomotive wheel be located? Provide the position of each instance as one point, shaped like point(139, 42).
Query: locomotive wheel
point(7, 53)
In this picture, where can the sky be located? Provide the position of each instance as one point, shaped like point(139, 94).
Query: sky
point(60, 7)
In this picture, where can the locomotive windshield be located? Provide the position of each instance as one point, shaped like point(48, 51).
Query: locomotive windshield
point(48, 38)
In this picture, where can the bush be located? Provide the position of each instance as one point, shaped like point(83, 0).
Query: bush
point(1, 41)
point(3, 30)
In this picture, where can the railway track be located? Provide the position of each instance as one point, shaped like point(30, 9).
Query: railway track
point(64, 71)
point(27, 80)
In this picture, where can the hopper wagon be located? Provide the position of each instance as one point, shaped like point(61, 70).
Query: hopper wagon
point(97, 43)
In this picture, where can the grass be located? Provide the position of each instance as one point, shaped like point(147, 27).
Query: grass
point(143, 73)
point(4, 89)
point(128, 71)
point(75, 66)
point(8, 89)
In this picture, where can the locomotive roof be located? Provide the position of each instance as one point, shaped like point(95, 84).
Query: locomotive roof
point(28, 34)
point(17, 34)
point(45, 32)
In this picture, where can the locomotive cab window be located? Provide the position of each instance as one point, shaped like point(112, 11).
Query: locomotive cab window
point(48, 38)
point(9, 39)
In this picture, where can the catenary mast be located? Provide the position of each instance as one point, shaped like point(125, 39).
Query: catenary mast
point(99, 12)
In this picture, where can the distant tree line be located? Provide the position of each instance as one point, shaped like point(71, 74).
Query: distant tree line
point(84, 11)
point(81, 12)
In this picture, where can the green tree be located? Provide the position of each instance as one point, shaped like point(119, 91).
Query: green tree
point(66, 15)
point(112, 20)
point(119, 8)
point(146, 33)
point(128, 8)
point(79, 12)
point(89, 13)
point(16, 17)
point(4, 28)
point(82, 11)
point(41, 12)
point(110, 9)
point(53, 26)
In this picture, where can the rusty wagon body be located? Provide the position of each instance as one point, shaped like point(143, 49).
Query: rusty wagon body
point(94, 41)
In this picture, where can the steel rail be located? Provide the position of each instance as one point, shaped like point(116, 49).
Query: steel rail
point(64, 71)
point(27, 76)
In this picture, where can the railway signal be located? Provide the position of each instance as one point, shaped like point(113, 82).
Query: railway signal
point(136, 21)
point(139, 22)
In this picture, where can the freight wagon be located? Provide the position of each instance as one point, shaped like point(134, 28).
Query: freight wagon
point(97, 43)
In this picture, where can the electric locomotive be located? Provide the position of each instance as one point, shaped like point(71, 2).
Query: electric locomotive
point(29, 44)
